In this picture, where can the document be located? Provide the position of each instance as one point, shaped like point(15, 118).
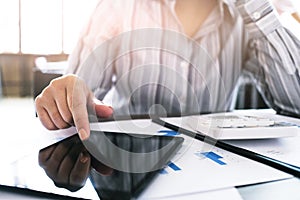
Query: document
point(197, 167)
point(25, 137)
point(200, 168)
point(283, 149)
point(228, 193)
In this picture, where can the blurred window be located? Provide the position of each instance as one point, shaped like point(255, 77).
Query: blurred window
point(42, 26)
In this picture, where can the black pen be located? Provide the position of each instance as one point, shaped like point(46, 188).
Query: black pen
point(282, 166)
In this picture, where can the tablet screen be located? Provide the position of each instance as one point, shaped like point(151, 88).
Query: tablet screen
point(121, 165)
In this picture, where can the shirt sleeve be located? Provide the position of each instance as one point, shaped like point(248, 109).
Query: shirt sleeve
point(273, 56)
point(89, 57)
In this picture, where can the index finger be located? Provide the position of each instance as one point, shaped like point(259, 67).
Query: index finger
point(78, 108)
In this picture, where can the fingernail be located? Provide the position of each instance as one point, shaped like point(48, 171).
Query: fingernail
point(83, 158)
point(83, 134)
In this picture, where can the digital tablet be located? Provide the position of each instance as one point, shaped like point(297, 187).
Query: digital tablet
point(122, 165)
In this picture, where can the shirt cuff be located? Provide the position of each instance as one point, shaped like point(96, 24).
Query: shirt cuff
point(258, 16)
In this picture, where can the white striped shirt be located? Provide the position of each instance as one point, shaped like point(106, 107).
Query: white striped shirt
point(139, 47)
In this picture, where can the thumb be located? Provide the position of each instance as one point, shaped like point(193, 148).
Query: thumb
point(102, 110)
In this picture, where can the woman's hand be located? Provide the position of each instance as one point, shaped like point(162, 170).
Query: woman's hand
point(67, 101)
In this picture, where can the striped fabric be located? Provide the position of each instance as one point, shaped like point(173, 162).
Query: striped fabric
point(138, 47)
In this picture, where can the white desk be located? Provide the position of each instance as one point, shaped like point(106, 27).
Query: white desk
point(18, 118)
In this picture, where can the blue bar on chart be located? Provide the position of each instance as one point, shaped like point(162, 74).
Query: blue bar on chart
point(212, 156)
point(172, 166)
point(168, 132)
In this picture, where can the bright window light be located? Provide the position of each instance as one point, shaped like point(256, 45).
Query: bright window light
point(9, 26)
point(41, 26)
point(46, 26)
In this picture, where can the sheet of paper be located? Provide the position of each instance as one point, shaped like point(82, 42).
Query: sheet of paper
point(197, 167)
point(228, 193)
point(284, 149)
point(200, 168)
point(26, 137)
